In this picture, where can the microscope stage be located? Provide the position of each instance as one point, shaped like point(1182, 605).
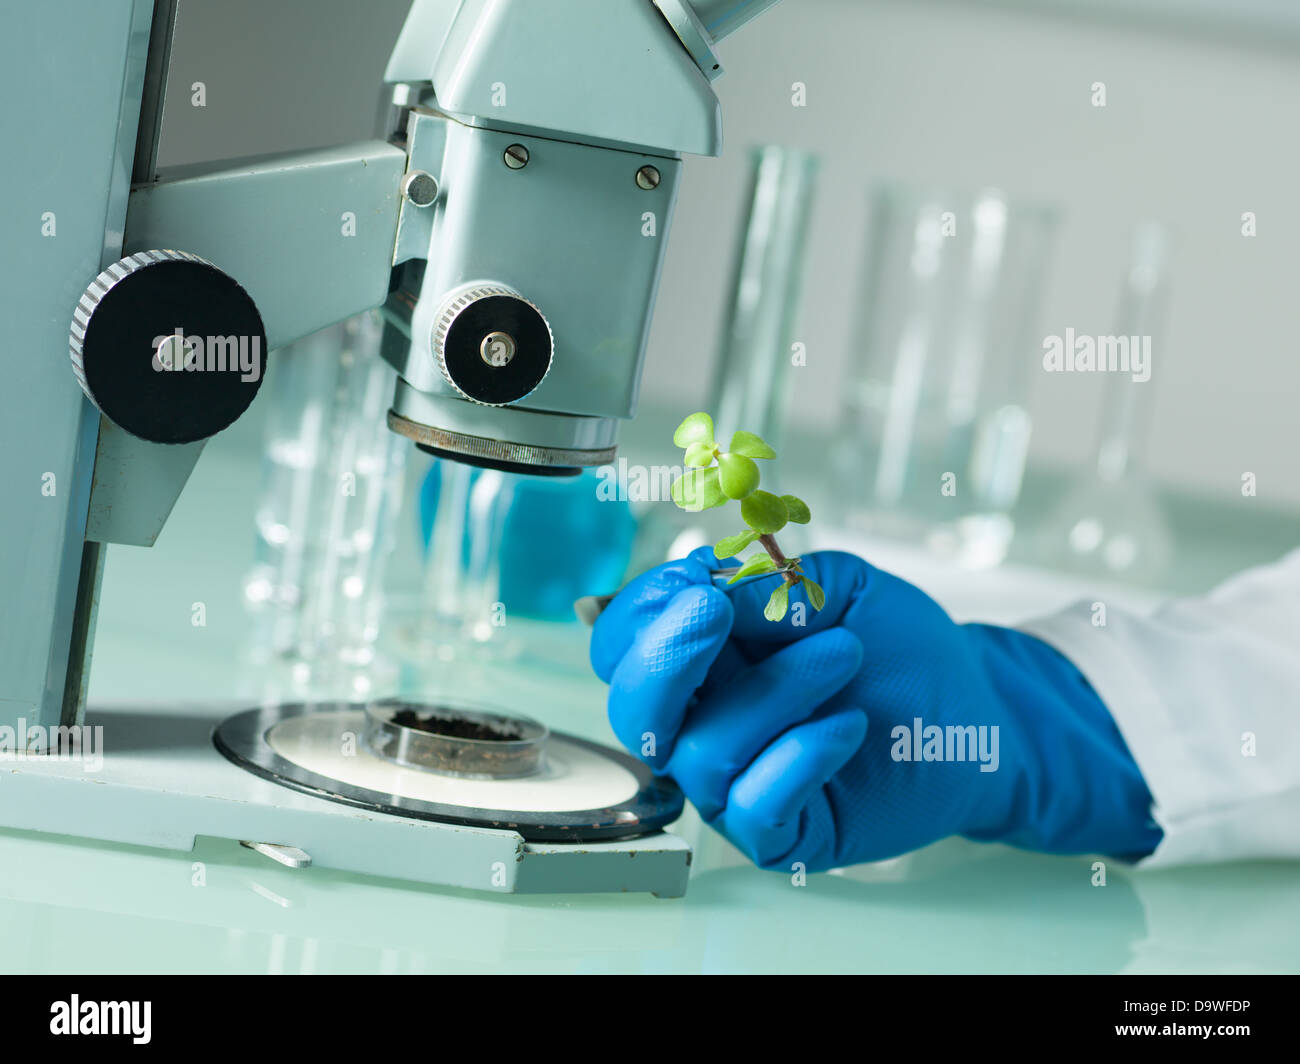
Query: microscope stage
point(590, 821)
point(580, 791)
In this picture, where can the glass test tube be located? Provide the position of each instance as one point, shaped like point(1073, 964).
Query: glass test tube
point(331, 491)
point(750, 386)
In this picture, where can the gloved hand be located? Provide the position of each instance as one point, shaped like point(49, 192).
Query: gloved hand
point(814, 743)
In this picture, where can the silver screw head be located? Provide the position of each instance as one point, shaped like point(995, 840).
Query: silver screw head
point(648, 177)
point(498, 349)
point(419, 188)
point(172, 353)
point(517, 156)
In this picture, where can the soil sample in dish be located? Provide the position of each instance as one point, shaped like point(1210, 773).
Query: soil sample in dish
point(457, 727)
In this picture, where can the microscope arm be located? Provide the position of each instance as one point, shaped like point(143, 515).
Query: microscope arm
point(309, 236)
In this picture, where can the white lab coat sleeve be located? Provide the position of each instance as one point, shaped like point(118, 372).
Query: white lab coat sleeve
point(1206, 692)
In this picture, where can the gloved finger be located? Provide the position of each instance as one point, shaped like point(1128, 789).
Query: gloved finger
point(726, 729)
point(845, 579)
point(729, 663)
point(763, 813)
point(640, 603)
point(666, 663)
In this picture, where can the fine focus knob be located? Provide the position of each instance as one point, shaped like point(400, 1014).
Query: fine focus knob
point(168, 347)
point(492, 345)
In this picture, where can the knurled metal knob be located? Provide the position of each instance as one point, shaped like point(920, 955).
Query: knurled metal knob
point(167, 346)
point(492, 345)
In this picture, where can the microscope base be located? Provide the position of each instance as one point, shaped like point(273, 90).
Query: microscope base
point(152, 777)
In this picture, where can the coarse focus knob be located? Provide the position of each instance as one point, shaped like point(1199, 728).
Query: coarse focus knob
point(492, 345)
point(168, 347)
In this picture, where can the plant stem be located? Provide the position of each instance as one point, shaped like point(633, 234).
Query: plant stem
point(792, 576)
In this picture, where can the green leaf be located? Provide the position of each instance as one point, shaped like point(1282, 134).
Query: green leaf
point(764, 512)
point(797, 509)
point(778, 603)
point(738, 475)
point(698, 428)
point(698, 490)
point(699, 454)
point(756, 566)
point(733, 545)
point(750, 446)
point(815, 593)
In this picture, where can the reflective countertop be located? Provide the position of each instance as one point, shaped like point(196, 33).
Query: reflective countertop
point(68, 905)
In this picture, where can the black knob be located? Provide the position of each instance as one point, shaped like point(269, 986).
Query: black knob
point(168, 347)
point(492, 345)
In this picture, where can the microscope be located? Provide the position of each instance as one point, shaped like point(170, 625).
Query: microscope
point(511, 224)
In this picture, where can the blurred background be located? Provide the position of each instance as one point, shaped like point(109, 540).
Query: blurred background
point(1097, 162)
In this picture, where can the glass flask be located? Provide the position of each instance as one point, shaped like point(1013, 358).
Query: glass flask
point(934, 428)
point(1112, 521)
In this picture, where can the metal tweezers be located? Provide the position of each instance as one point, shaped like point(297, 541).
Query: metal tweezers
point(589, 607)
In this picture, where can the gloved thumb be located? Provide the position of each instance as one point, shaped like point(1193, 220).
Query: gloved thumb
point(640, 604)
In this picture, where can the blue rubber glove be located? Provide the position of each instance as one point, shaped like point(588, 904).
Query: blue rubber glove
point(800, 743)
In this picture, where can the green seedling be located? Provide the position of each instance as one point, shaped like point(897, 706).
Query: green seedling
point(717, 477)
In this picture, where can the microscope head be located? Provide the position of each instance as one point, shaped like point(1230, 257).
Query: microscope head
point(544, 145)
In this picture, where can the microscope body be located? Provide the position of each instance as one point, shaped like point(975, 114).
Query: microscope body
point(556, 183)
point(566, 239)
point(512, 225)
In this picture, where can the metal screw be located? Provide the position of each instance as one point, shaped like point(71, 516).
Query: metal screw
point(517, 156)
point(172, 353)
point(648, 178)
point(498, 349)
point(419, 188)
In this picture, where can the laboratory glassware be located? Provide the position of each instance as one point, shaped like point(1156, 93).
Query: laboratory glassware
point(934, 429)
point(751, 379)
point(507, 545)
point(1112, 521)
point(326, 516)
point(563, 536)
point(463, 612)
